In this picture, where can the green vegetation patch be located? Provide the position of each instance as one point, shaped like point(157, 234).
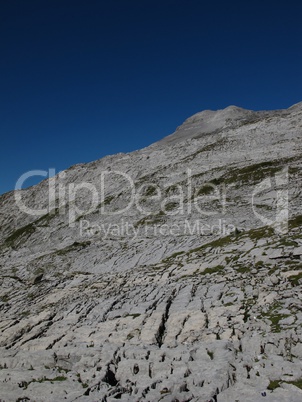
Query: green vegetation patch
point(206, 148)
point(275, 317)
point(210, 354)
point(212, 270)
point(243, 269)
point(260, 233)
point(206, 189)
point(150, 191)
point(76, 246)
point(273, 385)
point(133, 315)
point(45, 219)
point(21, 234)
point(220, 242)
point(109, 199)
point(173, 256)
point(253, 173)
point(25, 384)
point(297, 383)
point(287, 242)
point(295, 279)
point(170, 206)
point(151, 219)
point(295, 222)
point(4, 299)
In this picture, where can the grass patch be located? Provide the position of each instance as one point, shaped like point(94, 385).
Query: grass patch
point(253, 173)
point(21, 234)
point(45, 219)
point(76, 246)
point(249, 174)
point(108, 200)
point(276, 384)
point(133, 315)
point(170, 206)
point(260, 233)
point(210, 354)
point(286, 242)
point(212, 270)
point(295, 222)
point(25, 384)
point(295, 279)
point(151, 219)
point(58, 378)
point(220, 242)
point(206, 189)
point(217, 243)
point(273, 270)
point(172, 257)
point(275, 317)
point(206, 148)
point(243, 269)
point(297, 383)
point(25, 314)
point(4, 299)
point(150, 191)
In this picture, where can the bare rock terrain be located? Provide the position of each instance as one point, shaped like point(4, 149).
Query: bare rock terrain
point(177, 277)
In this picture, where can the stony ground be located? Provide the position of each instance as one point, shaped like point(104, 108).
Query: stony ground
point(161, 318)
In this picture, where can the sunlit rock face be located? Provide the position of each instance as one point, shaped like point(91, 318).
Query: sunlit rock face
point(172, 273)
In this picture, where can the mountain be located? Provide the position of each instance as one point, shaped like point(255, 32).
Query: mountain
point(172, 273)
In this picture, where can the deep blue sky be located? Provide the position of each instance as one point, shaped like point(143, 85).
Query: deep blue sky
point(83, 79)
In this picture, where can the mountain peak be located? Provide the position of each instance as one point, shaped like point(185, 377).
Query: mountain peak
point(206, 122)
point(211, 121)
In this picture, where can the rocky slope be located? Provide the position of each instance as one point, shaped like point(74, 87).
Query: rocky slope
point(179, 281)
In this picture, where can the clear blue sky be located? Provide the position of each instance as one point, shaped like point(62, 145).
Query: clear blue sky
point(83, 79)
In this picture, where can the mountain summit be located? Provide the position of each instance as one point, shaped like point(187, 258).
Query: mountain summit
point(172, 273)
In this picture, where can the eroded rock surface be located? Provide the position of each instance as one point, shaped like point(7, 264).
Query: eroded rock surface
point(150, 314)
